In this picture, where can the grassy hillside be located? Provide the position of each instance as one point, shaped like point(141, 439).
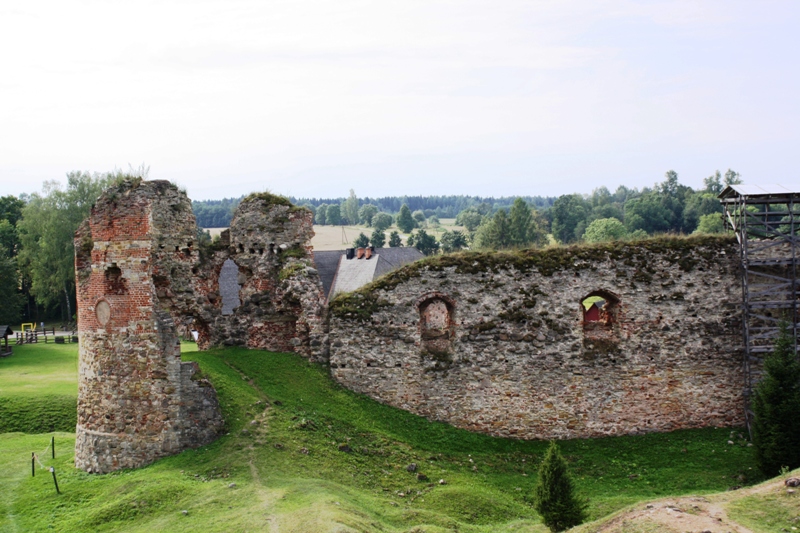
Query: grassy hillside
point(302, 454)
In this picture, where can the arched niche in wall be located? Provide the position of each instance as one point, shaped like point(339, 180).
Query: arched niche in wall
point(600, 312)
point(436, 323)
point(115, 283)
point(229, 286)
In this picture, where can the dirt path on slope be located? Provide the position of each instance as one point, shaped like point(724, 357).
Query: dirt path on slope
point(692, 514)
point(689, 514)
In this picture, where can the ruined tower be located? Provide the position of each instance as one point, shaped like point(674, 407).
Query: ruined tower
point(259, 288)
point(137, 401)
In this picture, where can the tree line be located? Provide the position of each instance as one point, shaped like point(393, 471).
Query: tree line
point(37, 265)
point(218, 213)
point(666, 207)
point(36, 230)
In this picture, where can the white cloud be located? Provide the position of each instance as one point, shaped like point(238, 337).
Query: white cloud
point(318, 96)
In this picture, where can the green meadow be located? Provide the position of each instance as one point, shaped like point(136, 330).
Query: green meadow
point(301, 453)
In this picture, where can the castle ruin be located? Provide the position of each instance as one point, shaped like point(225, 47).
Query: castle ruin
point(618, 338)
point(142, 277)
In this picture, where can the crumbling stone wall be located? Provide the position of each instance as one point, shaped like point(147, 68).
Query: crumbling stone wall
point(137, 401)
point(497, 343)
point(282, 302)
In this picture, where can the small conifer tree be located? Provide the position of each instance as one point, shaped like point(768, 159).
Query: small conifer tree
point(362, 241)
point(776, 405)
point(378, 238)
point(554, 496)
point(394, 240)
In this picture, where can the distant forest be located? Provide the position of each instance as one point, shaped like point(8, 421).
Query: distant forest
point(37, 230)
point(218, 213)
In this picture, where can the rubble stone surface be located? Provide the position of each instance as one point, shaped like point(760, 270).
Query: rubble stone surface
point(498, 343)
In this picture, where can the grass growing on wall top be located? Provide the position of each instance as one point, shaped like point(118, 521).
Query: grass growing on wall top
point(321, 458)
point(688, 252)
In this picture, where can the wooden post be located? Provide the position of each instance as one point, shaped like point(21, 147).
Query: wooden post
point(55, 481)
point(33, 464)
point(53, 445)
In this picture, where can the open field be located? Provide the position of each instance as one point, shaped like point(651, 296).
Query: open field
point(341, 237)
point(39, 388)
point(307, 455)
point(40, 369)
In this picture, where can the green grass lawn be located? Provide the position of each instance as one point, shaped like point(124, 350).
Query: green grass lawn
point(39, 388)
point(37, 369)
point(304, 454)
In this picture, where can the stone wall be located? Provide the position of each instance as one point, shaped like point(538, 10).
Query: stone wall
point(498, 343)
point(137, 401)
point(281, 299)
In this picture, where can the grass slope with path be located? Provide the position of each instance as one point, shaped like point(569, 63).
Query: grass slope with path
point(301, 453)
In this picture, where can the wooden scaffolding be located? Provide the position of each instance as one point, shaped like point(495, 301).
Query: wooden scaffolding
point(765, 220)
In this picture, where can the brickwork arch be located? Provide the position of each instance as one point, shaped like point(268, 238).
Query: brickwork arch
point(601, 313)
point(436, 322)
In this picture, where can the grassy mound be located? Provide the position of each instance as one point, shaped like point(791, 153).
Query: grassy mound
point(303, 454)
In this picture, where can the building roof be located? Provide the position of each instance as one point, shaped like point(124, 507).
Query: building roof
point(339, 274)
point(327, 263)
point(393, 258)
point(5, 330)
point(353, 273)
point(759, 191)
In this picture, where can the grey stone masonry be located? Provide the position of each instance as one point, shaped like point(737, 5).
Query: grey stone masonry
point(500, 343)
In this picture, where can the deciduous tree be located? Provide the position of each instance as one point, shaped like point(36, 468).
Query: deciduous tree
point(333, 215)
point(569, 213)
point(605, 229)
point(46, 233)
point(382, 221)
point(711, 223)
point(404, 219)
point(453, 241)
point(321, 216)
point(367, 213)
point(470, 218)
point(350, 208)
point(10, 296)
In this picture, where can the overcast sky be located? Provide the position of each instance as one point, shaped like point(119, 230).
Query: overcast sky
point(310, 99)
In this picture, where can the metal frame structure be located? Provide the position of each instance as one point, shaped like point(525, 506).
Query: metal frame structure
point(765, 220)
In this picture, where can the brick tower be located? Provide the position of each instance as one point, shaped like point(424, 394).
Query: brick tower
point(137, 401)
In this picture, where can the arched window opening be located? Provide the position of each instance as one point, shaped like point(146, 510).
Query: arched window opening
point(229, 286)
point(599, 309)
point(601, 313)
point(436, 323)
